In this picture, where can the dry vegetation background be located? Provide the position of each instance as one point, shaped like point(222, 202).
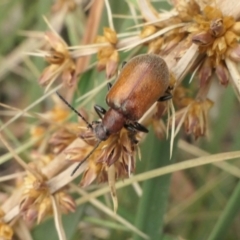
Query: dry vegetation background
point(195, 195)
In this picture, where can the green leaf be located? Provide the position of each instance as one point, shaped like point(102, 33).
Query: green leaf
point(153, 202)
point(229, 213)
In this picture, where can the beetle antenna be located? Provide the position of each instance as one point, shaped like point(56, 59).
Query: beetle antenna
point(72, 108)
point(84, 160)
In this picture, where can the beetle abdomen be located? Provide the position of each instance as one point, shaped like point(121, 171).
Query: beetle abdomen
point(142, 81)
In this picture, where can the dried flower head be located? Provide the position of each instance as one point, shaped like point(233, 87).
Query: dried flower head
point(194, 116)
point(36, 201)
point(60, 60)
point(108, 57)
point(214, 33)
point(63, 137)
point(119, 149)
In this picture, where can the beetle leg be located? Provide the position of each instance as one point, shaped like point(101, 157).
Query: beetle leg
point(166, 96)
point(136, 127)
point(130, 127)
point(100, 111)
point(109, 85)
point(140, 127)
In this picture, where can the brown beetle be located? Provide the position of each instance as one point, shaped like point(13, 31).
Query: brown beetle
point(142, 81)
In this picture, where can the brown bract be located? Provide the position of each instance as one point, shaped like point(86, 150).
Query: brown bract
point(60, 60)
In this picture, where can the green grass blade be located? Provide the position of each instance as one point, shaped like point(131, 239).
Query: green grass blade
point(153, 203)
point(229, 213)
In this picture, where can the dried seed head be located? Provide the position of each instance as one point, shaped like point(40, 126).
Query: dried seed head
point(34, 191)
point(214, 33)
point(108, 57)
point(63, 137)
point(60, 61)
point(119, 149)
point(196, 119)
point(36, 200)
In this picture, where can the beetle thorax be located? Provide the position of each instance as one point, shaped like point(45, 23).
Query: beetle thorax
point(112, 122)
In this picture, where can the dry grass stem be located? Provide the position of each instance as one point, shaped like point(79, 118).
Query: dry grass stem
point(58, 219)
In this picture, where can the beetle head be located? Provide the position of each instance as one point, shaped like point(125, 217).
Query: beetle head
point(100, 131)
